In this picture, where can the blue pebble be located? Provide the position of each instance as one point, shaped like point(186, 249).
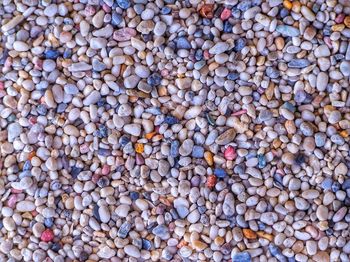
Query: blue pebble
point(336, 186)
point(337, 139)
point(102, 131)
point(134, 195)
point(240, 44)
point(48, 222)
point(27, 165)
point(124, 4)
point(244, 5)
point(278, 179)
point(75, 171)
point(41, 109)
point(232, 76)
point(320, 139)
point(104, 152)
point(165, 10)
point(299, 96)
point(174, 148)
point(256, 96)
point(261, 225)
point(161, 231)
point(124, 140)
point(198, 55)
point(346, 184)
point(220, 172)
point(183, 43)
point(198, 152)
point(51, 54)
point(241, 257)
point(284, 12)
point(327, 183)
point(154, 80)
point(146, 244)
point(154, 111)
point(261, 161)
point(124, 230)
point(290, 107)
point(170, 120)
point(67, 53)
point(116, 19)
point(276, 252)
point(61, 107)
point(228, 27)
point(206, 21)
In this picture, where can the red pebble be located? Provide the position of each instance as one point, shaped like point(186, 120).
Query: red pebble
point(32, 120)
point(106, 169)
point(211, 181)
point(230, 153)
point(226, 13)
point(340, 18)
point(47, 235)
point(2, 85)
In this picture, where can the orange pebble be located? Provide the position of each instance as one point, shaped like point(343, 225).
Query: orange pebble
point(296, 7)
point(287, 4)
point(248, 233)
point(182, 244)
point(139, 148)
point(344, 133)
point(265, 235)
point(207, 11)
point(208, 156)
point(31, 155)
point(150, 135)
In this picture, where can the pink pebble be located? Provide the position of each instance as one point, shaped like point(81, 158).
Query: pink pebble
point(206, 54)
point(164, 73)
point(124, 34)
point(84, 148)
point(8, 62)
point(12, 201)
point(95, 178)
point(328, 42)
point(230, 153)
point(340, 18)
point(226, 13)
point(106, 8)
point(106, 169)
point(240, 112)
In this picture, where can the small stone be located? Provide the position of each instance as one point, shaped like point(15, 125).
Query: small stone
point(288, 30)
point(132, 251)
point(226, 137)
point(241, 257)
point(25, 206)
point(299, 63)
point(106, 252)
point(122, 210)
point(322, 51)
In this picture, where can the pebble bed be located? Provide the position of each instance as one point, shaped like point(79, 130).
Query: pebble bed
point(175, 130)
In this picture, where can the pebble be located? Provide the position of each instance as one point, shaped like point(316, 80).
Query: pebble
point(180, 130)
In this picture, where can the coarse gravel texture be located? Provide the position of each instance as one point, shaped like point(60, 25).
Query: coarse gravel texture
point(175, 130)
